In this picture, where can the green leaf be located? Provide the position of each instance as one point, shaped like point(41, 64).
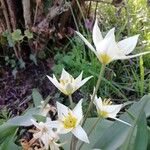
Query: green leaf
point(24, 120)
point(28, 34)
point(17, 35)
point(6, 130)
point(148, 130)
point(9, 38)
point(39, 118)
point(138, 135)
point(37, 97)
point(117, 134)
point(142, 134)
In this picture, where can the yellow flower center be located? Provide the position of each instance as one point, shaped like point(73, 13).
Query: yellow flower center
point(103, 114)
point(105, 59)
point(69, 121)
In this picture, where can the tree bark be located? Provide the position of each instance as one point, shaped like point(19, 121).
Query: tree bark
point(27, 13)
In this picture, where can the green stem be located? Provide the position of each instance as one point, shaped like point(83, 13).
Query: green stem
point(95, 92)
point(71, 101)
point(90, 131)
point(92, 99)
point(73, 143)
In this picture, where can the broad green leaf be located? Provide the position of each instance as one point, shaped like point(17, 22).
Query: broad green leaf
point(17, 35)
point(37, 97)
point(99, 130)
point(138, 135)
point(142, 134)
point(116, 134)
point(148, 130)
point(28, 34)
point(6, 130)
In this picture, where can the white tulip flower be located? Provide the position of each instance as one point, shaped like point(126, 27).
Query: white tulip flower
point(70, 120)
point(67, 84)
point(105, 109)
point(46, 134)
point(107, 49)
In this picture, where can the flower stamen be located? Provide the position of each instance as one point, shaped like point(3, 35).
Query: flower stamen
point(107, 102)
point(69, 121)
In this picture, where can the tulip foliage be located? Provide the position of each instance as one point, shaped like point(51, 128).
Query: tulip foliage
point(72, 128)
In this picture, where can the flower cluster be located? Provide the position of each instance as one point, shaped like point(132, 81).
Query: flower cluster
point(70, 119)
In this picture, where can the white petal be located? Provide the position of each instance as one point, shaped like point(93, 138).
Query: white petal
point(78, 85)
point(110, 33)
point(113, 51)
point(55, 82)
point(104, 46)
point(127, 45)
point(48, 120)
point(62, 130)
point(98, 102)
point(45, 140)
point(80, 134)
point(122, 121)
point(97, 35)
point(54, 146)
point(112, 110)
point(79, 78)
point(77, 111)
point(132, 56)
point(109, 41)
point(109, 47)
point(86, 41)
point(53, 124)
point(65, 75)
point(62, 110)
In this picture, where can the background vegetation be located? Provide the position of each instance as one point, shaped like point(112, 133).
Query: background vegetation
point(37, 38)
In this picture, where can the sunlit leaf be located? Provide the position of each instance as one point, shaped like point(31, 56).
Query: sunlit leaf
point(17, 35)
